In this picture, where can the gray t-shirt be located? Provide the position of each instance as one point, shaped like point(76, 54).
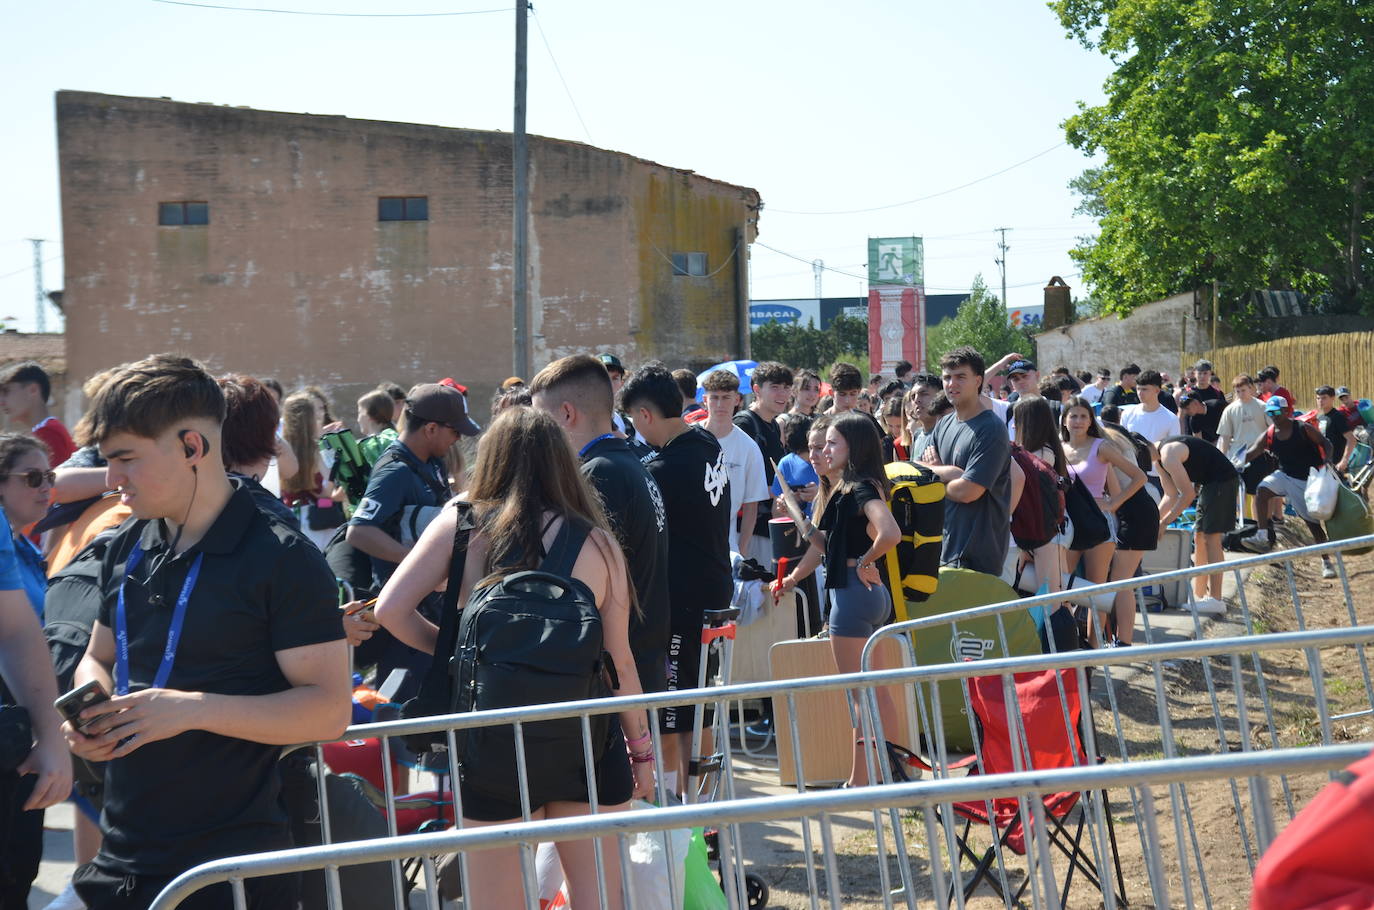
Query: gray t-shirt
point(976, 533)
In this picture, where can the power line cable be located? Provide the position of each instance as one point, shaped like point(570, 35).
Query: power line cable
point(903, 284)
point(29, 268)
point(953, 189)
point(728, 259)
point(306, 12)
point(559, 70)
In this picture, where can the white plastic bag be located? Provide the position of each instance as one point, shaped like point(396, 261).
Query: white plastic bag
point(1320, 495)
point(650, 854)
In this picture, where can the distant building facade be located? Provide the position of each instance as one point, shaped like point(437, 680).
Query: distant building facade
point(319, 249)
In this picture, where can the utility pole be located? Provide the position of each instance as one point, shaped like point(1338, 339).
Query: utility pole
point(39, 300)
point(522, 196)
point(1002, 262)
point(818, 266)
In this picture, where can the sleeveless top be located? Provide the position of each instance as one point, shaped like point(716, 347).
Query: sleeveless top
point(1092, 471)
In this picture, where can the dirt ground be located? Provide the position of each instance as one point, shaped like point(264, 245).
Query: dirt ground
point(1210, 814)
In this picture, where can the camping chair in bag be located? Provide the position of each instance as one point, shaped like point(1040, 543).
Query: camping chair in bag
point(1043, 740)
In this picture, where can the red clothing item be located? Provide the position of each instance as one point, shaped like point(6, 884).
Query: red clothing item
point(57, 439)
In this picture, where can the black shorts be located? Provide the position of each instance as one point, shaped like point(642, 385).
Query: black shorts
point(1257, 470)
point(1137, 523)
point(1216, 506)
point(102, 887)
point(614, 785)
point(684, 672)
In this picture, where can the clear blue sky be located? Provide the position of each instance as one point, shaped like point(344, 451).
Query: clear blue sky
point(821, 106)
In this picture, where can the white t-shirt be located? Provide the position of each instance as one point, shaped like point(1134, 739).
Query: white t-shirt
point(1091, 394)
point(1156, 426)
point(1242, 422)
point(744, 467)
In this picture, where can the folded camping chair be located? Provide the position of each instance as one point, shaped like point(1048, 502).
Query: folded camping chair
point(1043, 741)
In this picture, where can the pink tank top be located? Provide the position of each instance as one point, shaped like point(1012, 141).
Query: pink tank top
point(1092, 471)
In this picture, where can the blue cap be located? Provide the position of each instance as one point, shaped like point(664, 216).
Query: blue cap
point(1275, 404)
point(1020, 366)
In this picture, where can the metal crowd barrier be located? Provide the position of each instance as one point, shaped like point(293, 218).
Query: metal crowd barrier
point(1231, 708)
point(907, 885)
point(825, 809)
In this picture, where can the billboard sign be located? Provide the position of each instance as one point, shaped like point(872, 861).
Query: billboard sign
point(785, 312)
point(1027, 317)
point(896, 302)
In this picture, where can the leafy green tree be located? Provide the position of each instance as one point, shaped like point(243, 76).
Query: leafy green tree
point(1239, 146)
point(981, 322)
point(807, 346)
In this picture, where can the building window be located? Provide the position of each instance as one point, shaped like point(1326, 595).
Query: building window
point(692, 264)
point(403, 208)
point(179, 213)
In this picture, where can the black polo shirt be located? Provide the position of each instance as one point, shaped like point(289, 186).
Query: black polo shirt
point(768, 436)
point(263, 588)
point(634, 506)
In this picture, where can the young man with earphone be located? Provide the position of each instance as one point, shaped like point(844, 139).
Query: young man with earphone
point(218, 639)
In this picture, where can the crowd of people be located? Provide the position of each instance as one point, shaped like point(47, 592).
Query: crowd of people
point(218, 525)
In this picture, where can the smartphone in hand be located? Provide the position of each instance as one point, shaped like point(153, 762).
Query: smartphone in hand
point(79, 699)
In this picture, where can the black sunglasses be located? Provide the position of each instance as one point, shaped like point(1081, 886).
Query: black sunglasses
point(34, 478)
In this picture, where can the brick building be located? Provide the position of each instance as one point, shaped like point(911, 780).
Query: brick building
point(343, 252)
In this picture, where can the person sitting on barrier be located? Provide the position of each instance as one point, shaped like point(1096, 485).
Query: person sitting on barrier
point(218, 639)
point(525, 486)
point(855, 530)
point(1299, 447)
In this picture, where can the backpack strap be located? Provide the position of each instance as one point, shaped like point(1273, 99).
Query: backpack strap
point(450, 617)
point(403, 455)
point(562, 556)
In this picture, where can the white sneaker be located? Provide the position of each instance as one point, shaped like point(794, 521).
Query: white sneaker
point(67, 900)
point(1328, 570)
point(1209, 605)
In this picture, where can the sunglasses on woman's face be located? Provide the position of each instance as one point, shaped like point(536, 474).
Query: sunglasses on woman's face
point(34, 478)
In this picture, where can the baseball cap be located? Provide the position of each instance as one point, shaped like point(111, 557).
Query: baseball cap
point(511, 382)
point(611, 362)
point(1020, 366)
point(1275, 404)
point(1342, 391)
point(1186, 397)
point(462, 389)
point(442, 404)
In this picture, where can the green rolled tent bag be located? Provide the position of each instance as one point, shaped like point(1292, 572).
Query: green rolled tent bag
point(1352, 518)
point(960, 589)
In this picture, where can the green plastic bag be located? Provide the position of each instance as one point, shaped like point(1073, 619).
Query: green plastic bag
point(1352, 518)
point(701, 889)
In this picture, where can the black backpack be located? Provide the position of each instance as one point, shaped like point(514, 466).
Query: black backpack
point(72, 606)
point(531, 638)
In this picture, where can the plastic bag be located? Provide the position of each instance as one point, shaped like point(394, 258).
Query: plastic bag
point(702, 887)
point(1320, 495)
point(650, 854)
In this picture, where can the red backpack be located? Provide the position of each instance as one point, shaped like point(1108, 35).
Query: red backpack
point(1322, 859)
point(1039, 514)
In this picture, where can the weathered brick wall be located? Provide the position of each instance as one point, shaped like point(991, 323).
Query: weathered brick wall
point(294, 277)
point(1150, 337)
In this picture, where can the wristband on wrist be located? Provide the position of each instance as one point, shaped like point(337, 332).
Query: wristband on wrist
point(641, 759)
point(639, 739)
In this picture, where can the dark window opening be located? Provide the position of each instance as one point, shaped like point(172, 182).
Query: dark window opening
point(403, 208)
point(180, 213)
point(690, 264)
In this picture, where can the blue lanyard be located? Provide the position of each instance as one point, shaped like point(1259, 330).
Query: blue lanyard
point(588, 446)
point(169, 653)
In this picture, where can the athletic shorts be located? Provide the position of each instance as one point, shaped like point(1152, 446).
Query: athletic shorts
point(1137, 523)
point(1291, 489)
point(683, 672)
point(1216, 506)
point(111, 888)
point(858, 611)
